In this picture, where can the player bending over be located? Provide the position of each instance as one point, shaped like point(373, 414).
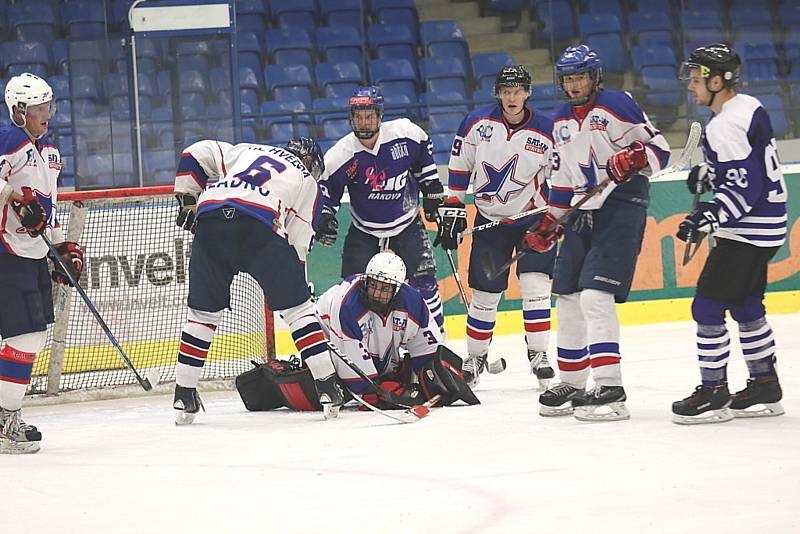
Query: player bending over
point(748, 217)
point(257, 218)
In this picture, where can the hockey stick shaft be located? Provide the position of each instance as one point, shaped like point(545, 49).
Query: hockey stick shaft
point(504, 220)
point(458, 280)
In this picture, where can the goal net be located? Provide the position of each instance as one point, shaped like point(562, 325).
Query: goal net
point(136, 273)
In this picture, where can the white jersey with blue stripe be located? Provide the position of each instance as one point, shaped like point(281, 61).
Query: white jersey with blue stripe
point(264, 182)
point(24, 163)
point(384, 182)
point(740, 150)
point(584, 146)
point(373, 341)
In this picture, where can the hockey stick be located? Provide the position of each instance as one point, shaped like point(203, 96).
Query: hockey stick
point(689, 251)
point(504, 220)
point(411, 415)
point(458, 280)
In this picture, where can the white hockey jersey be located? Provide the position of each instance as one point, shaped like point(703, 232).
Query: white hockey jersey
point(583, 147)
point(24, 163)
point(265, 182)
point(508, 168)
point(371, 341)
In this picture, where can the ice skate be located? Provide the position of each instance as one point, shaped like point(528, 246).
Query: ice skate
point(541, 368)
point(187, 403)
point(557, 400)
point(705, 405)
point(603, 403)
point(331, 396)
point(473, 367)
point(761, 398)
point(16, 436)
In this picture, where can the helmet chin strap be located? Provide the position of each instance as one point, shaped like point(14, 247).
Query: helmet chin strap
point(713, 93)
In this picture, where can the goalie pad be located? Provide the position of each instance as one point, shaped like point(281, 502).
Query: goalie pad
point(278, 383)
point(443, 376)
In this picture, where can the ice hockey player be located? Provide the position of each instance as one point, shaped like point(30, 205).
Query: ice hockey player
point(252, 209)
point(598, 133)
point(504, 149)
point(29, 167)
point(383, 166)
point(747, 215)
point(383, 326)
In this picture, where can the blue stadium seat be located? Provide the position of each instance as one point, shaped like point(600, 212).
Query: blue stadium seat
point(288, 39)
point(287, 75)
point(489, 64)
point(546, 91)
point(455, 49)
point(87, 58)
point(331, 108)
point(251, 16)
point(752, 46)
point(607, 7)
point(505, 6)
point(336, 128)
point(277, 111)
point(59, 83)
point(445, 122)
point(597, 23)
point(394, 76)
point(762, 71)
point(442, 74)
point(33, 68)
point(293, 57)
point(193, 82)
point(789, 15)
point(397, 106)
point(652, 56)
point(295, 14)
point(19, 53)
point(654, 6)
point(32, 21)
point(392, 42)
point(701, 19)
point(655, 38)
point(157, 161)
point(400, 17)
point(777, 114)
point(662, 88)
point(250, 51)
point(98, 171)
point(86, 87)
point(339, 43)
point(338, 79)
point(82, 20)
point(695, 37)
point(442, 145)
point(639, 21)
point(436, 31)
point(443, 102)
point(293, 93)
point(610, 49)
point(123, 169)
point(558, 20)
point(746, 16)
point(326, 144)
point(341, 13)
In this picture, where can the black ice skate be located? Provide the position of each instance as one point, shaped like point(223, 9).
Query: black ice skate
point(762, 394)
point(705, 405)
point(331, 395)
point(540, 367)
point(17, 436)
point(187, 402)
point(603, 403)
point(557, 400)
point(472, 368)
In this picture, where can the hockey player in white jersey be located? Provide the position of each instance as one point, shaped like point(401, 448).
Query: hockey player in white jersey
point(747, 215)
point(253, 208)
point(598, 133)
point(29, 167)
point(504, 150)
point(383, 166)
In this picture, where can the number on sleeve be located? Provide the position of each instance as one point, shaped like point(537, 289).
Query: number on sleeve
point(456, 147)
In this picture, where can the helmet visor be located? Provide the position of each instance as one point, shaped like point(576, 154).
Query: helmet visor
point(685, 72)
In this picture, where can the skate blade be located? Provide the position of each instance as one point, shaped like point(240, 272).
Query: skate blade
point(613, 411)
point(184, 418)
point(722, 415)
point(767, 410)
point(556, 411)
point(9, 446)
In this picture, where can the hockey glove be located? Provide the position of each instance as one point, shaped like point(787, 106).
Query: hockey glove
point(187, 206)
point(626, 163)
point(543, 237)
point(328, 228)
point(432, 198)
point(452, 223)
point(699, 180)
point(703, 219)
point(71, 255)
point(31, 214)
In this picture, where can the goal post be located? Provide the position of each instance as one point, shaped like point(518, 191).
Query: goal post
point(136, 272)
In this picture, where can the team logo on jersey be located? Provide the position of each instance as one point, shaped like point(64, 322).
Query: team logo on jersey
point(399, 324)
point(53, 163)
point(352, 170)
point(563, 133)
point(535, 145)
point(376, 180)
point(496, 180)
point(485, 132)
point(598, 123)
point(31, 162)
point(399, 150)
point(589, 171)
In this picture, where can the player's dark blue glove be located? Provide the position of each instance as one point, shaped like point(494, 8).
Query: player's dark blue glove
point(699, 180)
point(328, 228)
point(703, 219)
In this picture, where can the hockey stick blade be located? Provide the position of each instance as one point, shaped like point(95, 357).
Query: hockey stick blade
point(496, 367)
point(409, 416)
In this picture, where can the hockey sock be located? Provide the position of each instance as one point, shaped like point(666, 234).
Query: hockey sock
point(480, 321)
point(195, 342)
point(600, 313)
point(16, 365)
point(536, 309)
point(758, 347)
point(429, 289)
point(309, 339)
point(713, 341)
point(573, 354)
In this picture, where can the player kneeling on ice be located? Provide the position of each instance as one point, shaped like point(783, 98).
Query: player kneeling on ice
point(257, 218)
point(369, 318)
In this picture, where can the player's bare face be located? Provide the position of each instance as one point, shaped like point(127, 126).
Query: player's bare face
point(37, 119)
point(578, 86)
point(513, 101)
point(697, 86)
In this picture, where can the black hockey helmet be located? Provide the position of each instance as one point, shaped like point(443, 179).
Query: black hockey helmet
point(309, 153)
point(512, 76)
point(714, 60)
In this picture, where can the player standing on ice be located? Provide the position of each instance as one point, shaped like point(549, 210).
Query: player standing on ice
point(384, 166)
point(598, 133)
point(257, 218)
point(29, 168)
point(748, 217)
point(506, 147)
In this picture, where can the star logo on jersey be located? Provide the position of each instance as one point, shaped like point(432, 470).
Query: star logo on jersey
point(589, 171)
point(496, 180)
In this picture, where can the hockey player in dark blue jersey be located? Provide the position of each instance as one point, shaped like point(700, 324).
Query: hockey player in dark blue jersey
point(747, 216)
point(383, 166)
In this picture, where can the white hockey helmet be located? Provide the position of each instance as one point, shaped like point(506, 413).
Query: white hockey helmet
point(383, 277)
point(26, 90)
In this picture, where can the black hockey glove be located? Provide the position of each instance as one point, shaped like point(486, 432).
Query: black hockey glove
point(432, 197)
point(187, 205)
point(703, 219)
point(699, 180)
point(328, 228)
point(31, 214)
point(452, 223)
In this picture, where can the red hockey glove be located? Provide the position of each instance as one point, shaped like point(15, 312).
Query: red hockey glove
point(624, 164)
point(31, 214)
point(544, 235)
point(71, 254)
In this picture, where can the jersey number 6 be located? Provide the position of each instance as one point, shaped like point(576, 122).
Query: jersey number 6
point(258, 173)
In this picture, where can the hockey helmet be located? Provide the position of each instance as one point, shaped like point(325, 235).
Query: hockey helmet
point(383, 277)
point(366, 98)
point(577, 60)
point(512, 76)
point(27, 90)
point(713, 60)
point(309, 153)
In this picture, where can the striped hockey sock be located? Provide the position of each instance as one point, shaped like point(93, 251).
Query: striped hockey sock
point(16, 367)
point(195, 342)
point(713, 349)
point(758, 347)
point(480, 322)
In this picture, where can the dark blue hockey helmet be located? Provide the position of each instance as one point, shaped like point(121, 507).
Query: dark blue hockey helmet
point(577, 60)
point(309, 153)
point(366, 98)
